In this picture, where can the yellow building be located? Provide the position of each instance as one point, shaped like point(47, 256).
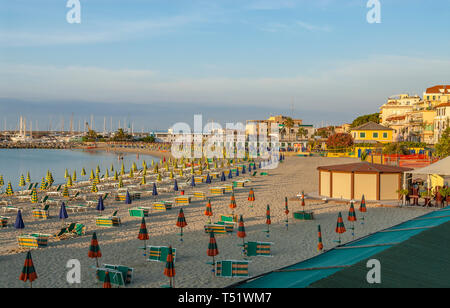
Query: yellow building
point(372, 132)
point(436, 95)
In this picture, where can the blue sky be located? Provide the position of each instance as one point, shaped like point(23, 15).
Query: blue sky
point(321, 55)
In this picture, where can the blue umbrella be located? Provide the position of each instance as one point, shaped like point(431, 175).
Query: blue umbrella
point(249, 167)
point(63, 212)
point(230, 176)
point(259, 165)
point(100, 205)
point(237, 171)
point(243, 169)
point(208, 179)
point(154, 191)
point(193, 182)
point(175, 186)
point(19, 221)
point(128, 198)
point(222, 178)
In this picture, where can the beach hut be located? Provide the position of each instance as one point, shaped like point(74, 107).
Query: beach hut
point(375, 181)
point(94, 249)
point(28, 271)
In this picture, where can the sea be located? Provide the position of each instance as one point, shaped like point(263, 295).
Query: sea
point(15, 162)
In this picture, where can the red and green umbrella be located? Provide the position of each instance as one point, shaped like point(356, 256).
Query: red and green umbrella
point(232, 203)
point(208, 210)
point(320, 244)
point(251, 196)
point(169, 270)
point(241, 232)
point(212, 248)
point(143, 235)
point(286, 211)
point(181, 223)
point(340, 228)
point(303, 200)
point(94, 249)
point(352, 217)
point(28, 271)
point(363, 208)
point(268, 220)
point(107, 281)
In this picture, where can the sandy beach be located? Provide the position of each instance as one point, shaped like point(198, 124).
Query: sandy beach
point(119, 245)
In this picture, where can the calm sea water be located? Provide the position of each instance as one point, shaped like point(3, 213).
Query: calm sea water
point(15, 162)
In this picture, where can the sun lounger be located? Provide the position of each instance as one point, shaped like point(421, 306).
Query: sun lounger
point(217, 190)
point(183, 200)
point(159, 253)
point(219, 228)
point(41, 213)
point(229, 218)
point(119, 275)
point(107, 221)
point(72, 230)
point(257, 249)
point(232, 268)
point(239, 184)
point(200, 195)
point(198, 180)
point(78, 208)
point(10, 208)
point(35, 240)
point(139, 212)
point(162, 205)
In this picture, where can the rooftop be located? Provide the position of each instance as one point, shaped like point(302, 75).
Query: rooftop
point(371, 126)
point(364, 167)
point(441, 89)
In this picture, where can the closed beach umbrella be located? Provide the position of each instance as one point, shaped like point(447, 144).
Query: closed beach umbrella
point(97, 170)
point(208, 210)
point(128, 198)
point(363, 208)
point(243, 169)
point(116, 176)
point(268, 220)
point(154, 190)
point(106, 174)
point(2, 182)
point(122, 169)
point(92, 176)
point(120, 185)
point(66, 174)
point(107, 281)
point(34, 198)
point(143, 181)
point(74, 176)
point(320, 244)
point(232, 203)
point(131, 175)
point(169, 270)
point(94, 249)
point(208, 179)
point(19, 221)
point(96, 179)
point(28, 180)
point(22, 181)
point(143, 235)
point(237, 171)
point(94, 188)
point(241, 231)
point(181, 223)
point(340, 228)
point(43, 184)
point(212, 249)
point(83, 172)
point(112, 167)
point(286, 212)
point(69, 181)
point(66, 192)
point(230, 175)
point(28, 271)
point(175, 185)
point(223, 178)
point(303, 200)
point(251, 196)
point(63, 212)
point(100, 205)
point(352, 217)
point(193, 182)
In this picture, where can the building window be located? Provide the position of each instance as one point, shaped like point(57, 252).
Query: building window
point(362, 135)
point(385, 135)
point(375, 135)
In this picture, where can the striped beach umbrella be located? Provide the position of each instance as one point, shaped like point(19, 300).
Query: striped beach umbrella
point(175, 185)
point(97, 170)
point(352, 217)
point(63, 212)
point(65, 192)
point(28, 180)
point(169, 270)
point(251, 196)
point(181, 172)
point(9, 189)
point(50, 178)
point(131, 174)
point(116, 176)
point(208, 211)
point(232, 203)
point(120, 185)
point(28, 271)
point(286, 212)
point(143, 235)
point(66, 174)
point(107, 281)
point(92, 176)
point(83, 172)
point(94, 188)
point(159, 177)
point(212, 249)
point(94, 249)
point(100, 204)
point(143, 181)
point(171, 175)
point(340, 228)
point(74, 176)
point(2, 182)
point(362, 208)
point(268, 220)
point(181, 223)
point(43, 184)
point(112, 167)
point(19, 221)
point(303, 200)
point(106, 174)
point(69, 181)
point(96, 179)
point(320, 244)
point(34, 197)
point(241, 232)
point(22, 181)
point(128, 198)
point(154, 190)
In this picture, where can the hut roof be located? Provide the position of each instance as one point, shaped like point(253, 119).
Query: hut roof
point(371, 126)
point(364, 167)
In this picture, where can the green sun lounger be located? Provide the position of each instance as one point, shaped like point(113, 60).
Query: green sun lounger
point(119, 275)
point(232, 268)
point(258, 249)
point(159, 253)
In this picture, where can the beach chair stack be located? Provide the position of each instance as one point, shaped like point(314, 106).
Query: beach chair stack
point(258, 249)
point(198, 179)
point(108, 221)
point(159, 253)
point(228, 188)
point(72, 230)
point(3, 222)
point(232, 268)
point(219, 227)
point(239, 184)
point(217, 190)
point(35, 240)
point(41, 213)
point(199, 195)
point(139, 212)
point(119, 275)
point(162, 206)
point(183, 199)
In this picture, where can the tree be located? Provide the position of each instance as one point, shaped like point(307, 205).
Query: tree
point(374, 117)
point(339, 141)
point(443, 146)
point(120, 135)
point(399, 148)
point(149, 139)
point(302, 132)
point(91, 136)
point(289, 123)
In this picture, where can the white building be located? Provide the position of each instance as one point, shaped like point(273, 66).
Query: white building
point(441, 120)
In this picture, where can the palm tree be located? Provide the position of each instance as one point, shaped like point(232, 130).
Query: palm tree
point(289, 123)
point(302, 132)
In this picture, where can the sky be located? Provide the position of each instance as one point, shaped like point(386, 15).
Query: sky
point(230, 60)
